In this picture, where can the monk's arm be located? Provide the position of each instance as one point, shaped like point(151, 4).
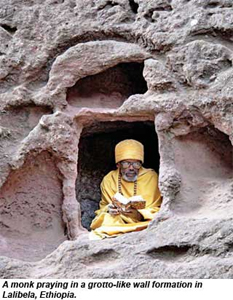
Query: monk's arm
point(153, 200)
point(106, 197)
point(104, 202)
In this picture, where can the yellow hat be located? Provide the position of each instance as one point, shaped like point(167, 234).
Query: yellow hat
point(129, 149)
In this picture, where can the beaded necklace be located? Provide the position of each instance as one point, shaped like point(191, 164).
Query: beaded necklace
point(119, 186)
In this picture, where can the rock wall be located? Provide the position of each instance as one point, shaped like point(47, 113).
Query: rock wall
point(30, 210)
point(70, 68)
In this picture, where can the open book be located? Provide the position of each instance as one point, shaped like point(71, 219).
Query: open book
point(124, 203)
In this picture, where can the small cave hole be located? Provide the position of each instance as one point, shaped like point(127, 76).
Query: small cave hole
point(149, 15)
point(9, 29)
point(164, 8)
point(96, 158)
point(134, 6)
point(107, 5)
point(170, 252)
point(212, 4)
point(108, 89)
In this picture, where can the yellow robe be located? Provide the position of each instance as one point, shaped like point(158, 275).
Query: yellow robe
point(106, 225)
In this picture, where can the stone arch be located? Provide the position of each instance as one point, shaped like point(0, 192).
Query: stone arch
point(73, 65)
point(86, 59)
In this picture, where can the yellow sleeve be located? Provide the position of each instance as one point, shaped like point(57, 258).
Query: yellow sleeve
point(152, 196)
point(106, 195)
point(106, 198)
point(148, 213)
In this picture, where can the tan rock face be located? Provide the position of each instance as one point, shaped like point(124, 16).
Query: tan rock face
point(76, 77)
point(207, 185)
point(31, 214)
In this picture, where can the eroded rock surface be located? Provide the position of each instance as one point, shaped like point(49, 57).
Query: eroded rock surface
point(72, 73)
point(30, 210)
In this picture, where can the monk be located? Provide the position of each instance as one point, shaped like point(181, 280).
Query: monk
point(129, 179)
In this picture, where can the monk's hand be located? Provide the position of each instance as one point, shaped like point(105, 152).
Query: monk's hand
point(129, 211)
point(132, 212)
point(112, 210)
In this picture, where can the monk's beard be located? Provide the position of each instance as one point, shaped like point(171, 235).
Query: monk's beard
point(129, 179)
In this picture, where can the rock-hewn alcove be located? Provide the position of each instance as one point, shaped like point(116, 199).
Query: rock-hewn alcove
point(96, 158)
point(204, 160)
point(30, 210)
point(108, 89)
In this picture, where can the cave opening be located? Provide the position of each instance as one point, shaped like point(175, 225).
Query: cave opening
point(96, 158)
point(108, 89)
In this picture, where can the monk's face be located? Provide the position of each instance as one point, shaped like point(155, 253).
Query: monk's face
point(129, 169)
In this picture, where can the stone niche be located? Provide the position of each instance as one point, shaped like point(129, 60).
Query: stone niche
point(108, 89)
point(204, 159)
point(96, 158)
point(31, 223)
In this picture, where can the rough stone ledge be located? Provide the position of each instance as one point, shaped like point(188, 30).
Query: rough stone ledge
point(191, 251)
